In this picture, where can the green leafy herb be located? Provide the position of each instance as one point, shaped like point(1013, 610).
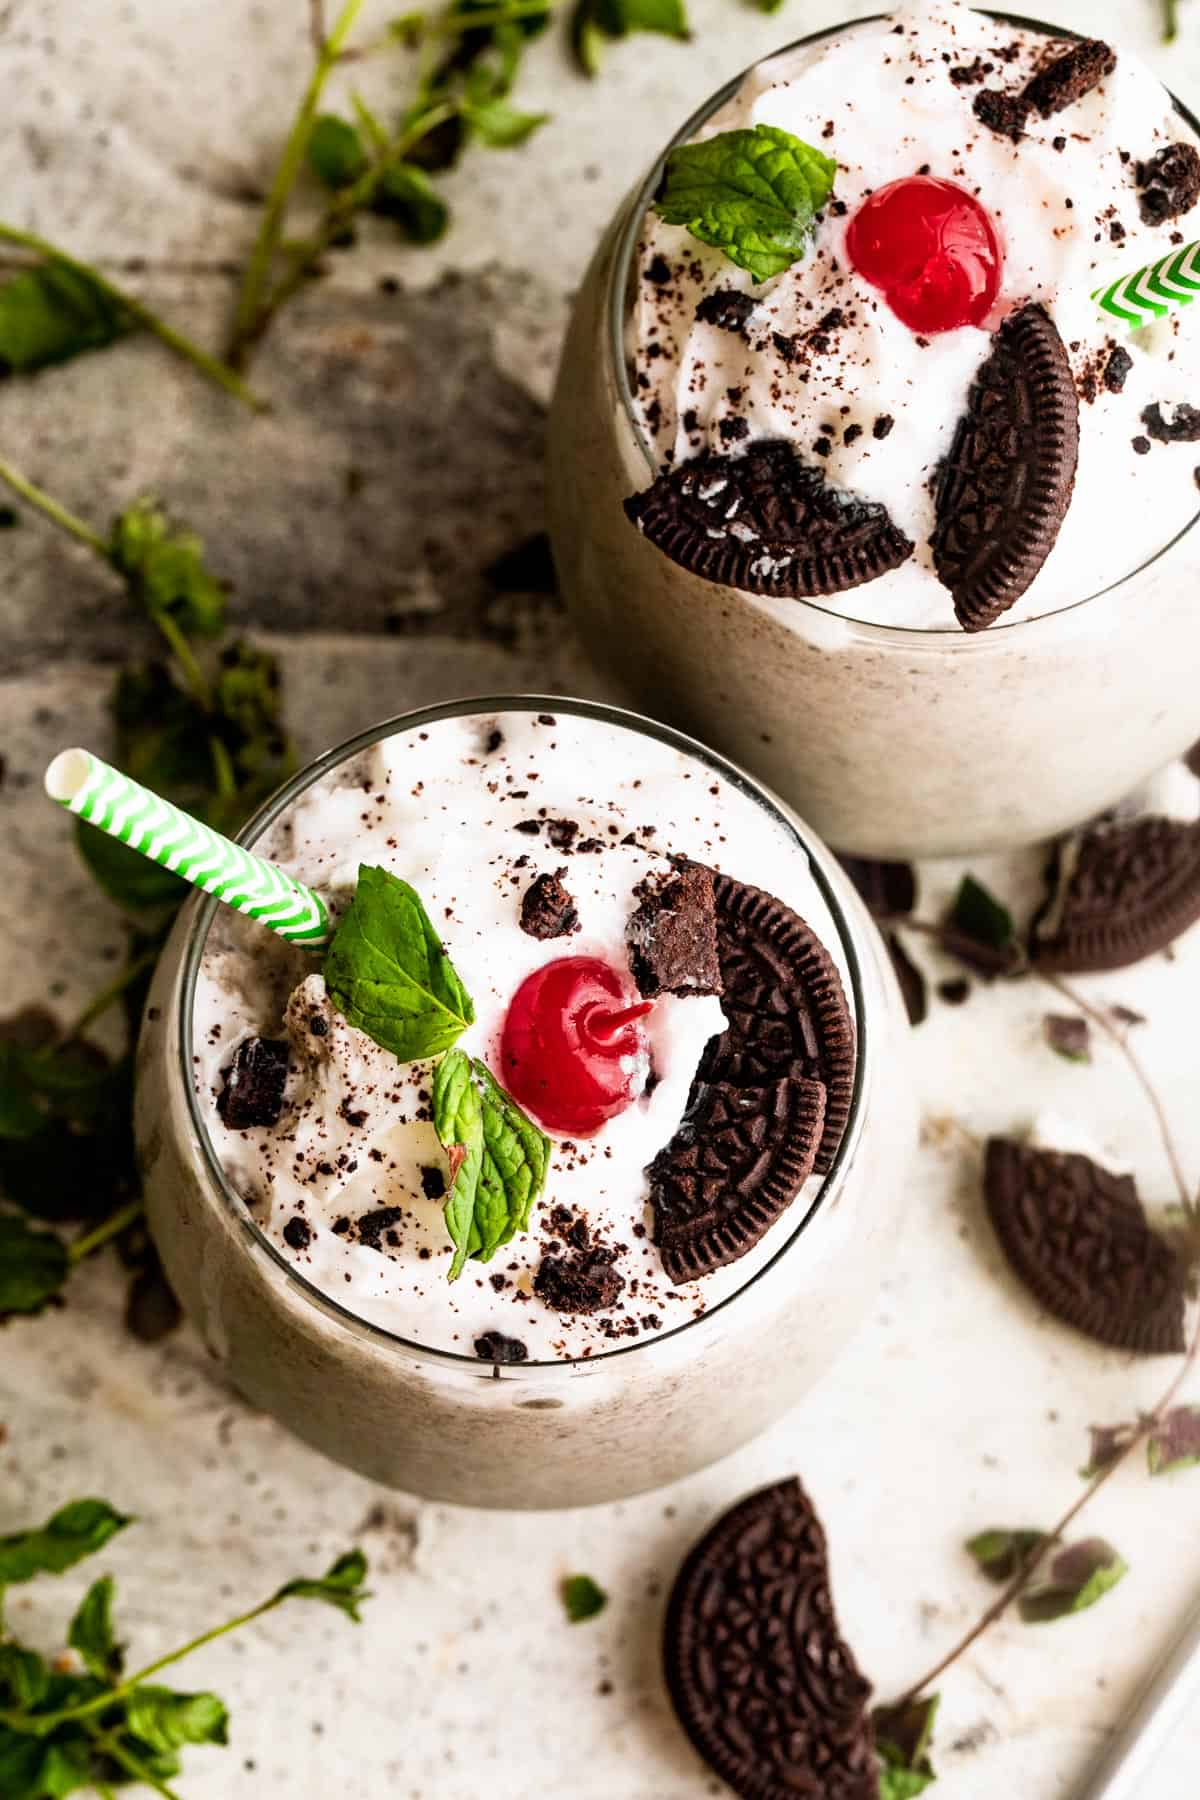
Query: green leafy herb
point(33, 1266)
point(406, 195)
point(904, 1738)
point(1108, 1443)
point(979, 915)
point(1170, 21)
point(498, 1159)
point(78, 1529)
point(53, 313)
point(340, 1586)
point(164, 570)
point(595, 20)
point(1069, 1036)
point(1000, 1553)
point(752, 194)
point(387, 972)
point(335, 151)
point(91, 1632)
point(1174, 1443)
point(1077, 1578)
point(166, 1721)
point(24, 1677)
point(500, 125)
point(582, 1598)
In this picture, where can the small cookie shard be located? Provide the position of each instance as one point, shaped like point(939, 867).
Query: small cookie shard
point(737, 1162)
point(585, 1283)
point(254, 1083)
point(673, 935)
point(1183, 427)
point(768, 523)
point(784, 1002)
point(1169, 182)
point(1007, 482)
point(1077, 1237)
point(547, 909)
point(727, 308)
point(1118, 893)
point(494, 1347)
point(760, 1677)
point(1070, 76)
point(1005, 114)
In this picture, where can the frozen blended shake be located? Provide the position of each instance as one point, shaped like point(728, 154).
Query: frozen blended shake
point(654, 1003)
point(880, 496)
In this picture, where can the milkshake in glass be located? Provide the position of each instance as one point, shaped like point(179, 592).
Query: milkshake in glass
point(678, 1036)
point(896, 514)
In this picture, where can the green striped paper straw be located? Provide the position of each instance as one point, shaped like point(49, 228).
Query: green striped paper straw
point(1154, 292)
point(192, 850)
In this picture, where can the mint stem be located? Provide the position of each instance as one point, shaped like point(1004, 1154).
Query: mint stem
point(258, 269)
point(1170, 21)
point(104, 1233)
point(209, 366)
point(50, 509)
point(108, 1743)
point(185, 656)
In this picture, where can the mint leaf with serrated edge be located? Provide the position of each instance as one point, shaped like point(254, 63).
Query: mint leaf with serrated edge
point(582, 1598)
point(999, 1553)
point(92, 1634)
point(53, 313)
point(752, 194)
point(1174, 1443)
point(33, 1267)
point(497, 1156)
point(340, 1586)
point(1077, 1578)
point(389, 975)
point(77, 1530)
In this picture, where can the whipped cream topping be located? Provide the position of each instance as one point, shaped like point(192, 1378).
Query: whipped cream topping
point(347, 1184)
point(872, 403)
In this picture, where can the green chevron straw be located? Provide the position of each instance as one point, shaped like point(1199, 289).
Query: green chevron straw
point(1154, 292)
point(175, 841)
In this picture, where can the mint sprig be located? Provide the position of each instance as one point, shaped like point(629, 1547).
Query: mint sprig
point(752, 194)
point(498, 1159)
point(389, 975)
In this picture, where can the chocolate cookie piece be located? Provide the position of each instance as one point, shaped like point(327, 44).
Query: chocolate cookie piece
point(585, 1283)
point(673, 935)
point(784, 1002)
point(547, 909)
point(297, 1233)
point(494, 1347)
point(1169, 182)
point(1117, 893)
point(1077, 1237)
point(1007, 482)
point(254, 1082)
point(1005, 114)
point(727, 308)
point(760, 1677)
point(737, 1162)
point(1183, 427)
point(1070, 76)
point(1117, 369)
point(767, 522)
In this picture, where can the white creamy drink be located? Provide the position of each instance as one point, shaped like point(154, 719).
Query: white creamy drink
point(574, 1157)
point(349, 1181)
point(847, 452)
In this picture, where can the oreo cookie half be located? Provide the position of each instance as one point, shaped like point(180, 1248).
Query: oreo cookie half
point(1118, 893)
point(1007, 482)
point(760, 1677)
point(768, 523)
point(785, 1005)
point(736, 1163)
point(1077, 1237)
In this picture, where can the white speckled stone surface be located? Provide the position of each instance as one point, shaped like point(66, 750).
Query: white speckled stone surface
point(130, 127)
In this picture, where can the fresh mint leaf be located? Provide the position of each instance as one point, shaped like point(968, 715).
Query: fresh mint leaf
point(498, 1159)
point(53, 313)
point(388, 974)
point(79, 1529)
point(1069, 1036)
point(406, 195)
point(500, 125)
point(33, 1267)
point(24, 1678)
point(335, 151)
point(91, 1632)
point(1000, 1553)
point(592, 21)
point(582, 1598)
point(752, 194)
point(163, 568)
point(903, 1739)
point(981, 917)
point(1107, 1444)
point(1175, 1442)
point(895, 1781)
point(20, 1114)
point(340, 1586)
point(167, 1721)
point(1077, 1578)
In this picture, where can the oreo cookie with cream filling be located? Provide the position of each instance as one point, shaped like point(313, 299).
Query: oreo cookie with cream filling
point(767, 522)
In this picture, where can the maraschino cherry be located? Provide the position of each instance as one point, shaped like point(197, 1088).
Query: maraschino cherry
point(932, 249)
point(572, 1042)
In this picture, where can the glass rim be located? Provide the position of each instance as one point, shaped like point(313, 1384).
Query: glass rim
point(204, 908)
point(970, 643)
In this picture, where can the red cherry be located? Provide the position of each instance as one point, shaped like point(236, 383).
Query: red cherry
point(572, 1039)
point(932, 249)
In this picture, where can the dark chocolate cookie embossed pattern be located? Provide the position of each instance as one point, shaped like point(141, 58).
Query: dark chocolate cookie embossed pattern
point(1118, 893)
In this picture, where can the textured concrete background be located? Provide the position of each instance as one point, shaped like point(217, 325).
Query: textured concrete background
point(138, 132)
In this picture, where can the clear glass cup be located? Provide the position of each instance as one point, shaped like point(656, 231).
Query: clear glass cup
point(536, 1434)
point(891, 742)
